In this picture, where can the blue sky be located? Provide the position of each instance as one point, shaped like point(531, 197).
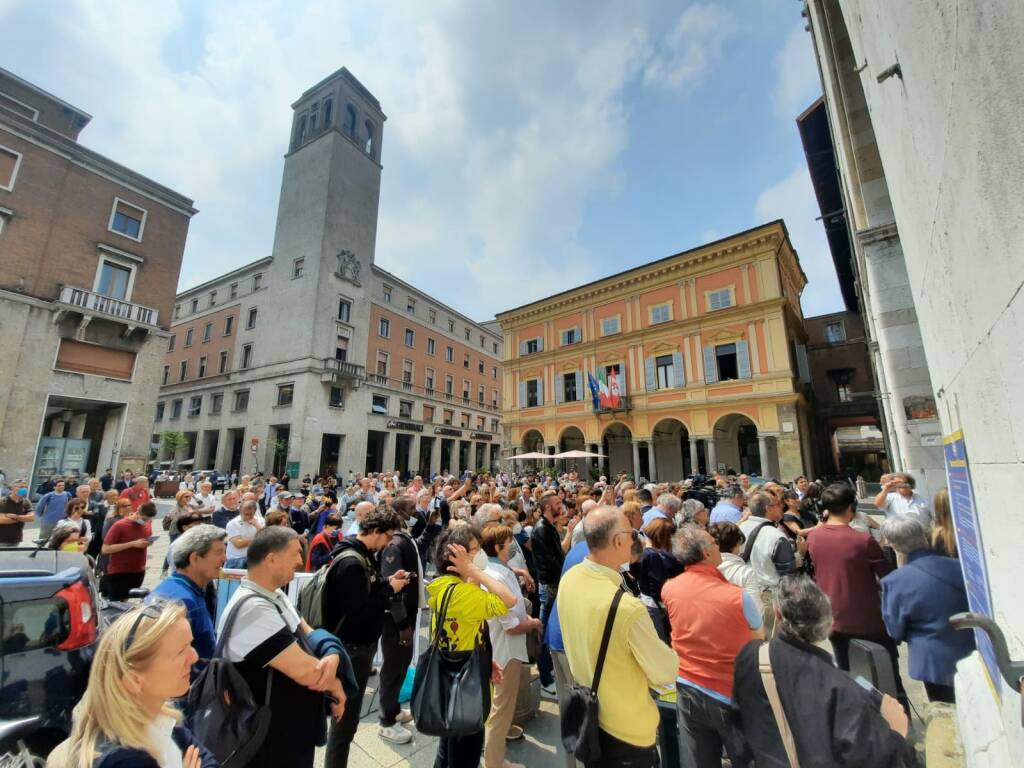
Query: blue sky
point(529, 147)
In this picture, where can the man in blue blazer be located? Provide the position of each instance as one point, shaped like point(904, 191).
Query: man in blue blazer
point(917, 601)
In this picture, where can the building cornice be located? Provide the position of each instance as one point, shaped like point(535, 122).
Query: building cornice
point(226, 277)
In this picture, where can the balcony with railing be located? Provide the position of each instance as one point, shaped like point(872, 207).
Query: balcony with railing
point(98, 305)
point(624, 404)
point(382, 380)
point(339, 371)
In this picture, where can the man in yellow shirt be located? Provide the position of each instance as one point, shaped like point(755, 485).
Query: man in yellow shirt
point(636, 659)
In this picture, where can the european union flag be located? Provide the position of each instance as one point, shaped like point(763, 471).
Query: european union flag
point(595, 390)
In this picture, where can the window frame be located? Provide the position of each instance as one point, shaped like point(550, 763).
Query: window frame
point(410, 338)
point(246, 357)
point(618, 325)
point(189, 332)
point(18, 156)
point(222, 363)
point(201, 367)
point(229, 325)
point(536, 393)
point(729, 289)
point(374, 406)
point(344, 301)
point(182, 370)
point(668, 369)
point(667, 306)
point(216, 403)
point(124, 263)
point(842, 332)
point(280, 389)
point(236, 394)
point(113, 213)
point(195, 408)
point(207, 332)
point(381, 322)
point(251, 316)
point(298, 267)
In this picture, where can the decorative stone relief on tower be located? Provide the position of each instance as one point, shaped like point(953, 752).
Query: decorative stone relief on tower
point(348, 267)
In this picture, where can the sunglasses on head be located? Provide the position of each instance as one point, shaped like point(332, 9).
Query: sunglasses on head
point(151, 611)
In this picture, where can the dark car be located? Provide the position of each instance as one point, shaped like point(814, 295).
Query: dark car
point(216, 478)
point(49, 627)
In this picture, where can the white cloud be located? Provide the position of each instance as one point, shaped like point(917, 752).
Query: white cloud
point(692, 47)
point(798, 82)
point(792, 200)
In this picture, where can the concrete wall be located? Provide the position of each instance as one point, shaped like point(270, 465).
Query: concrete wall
point(947, 140)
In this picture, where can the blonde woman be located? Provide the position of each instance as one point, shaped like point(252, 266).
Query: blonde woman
point(943, 532)
point(125, 718)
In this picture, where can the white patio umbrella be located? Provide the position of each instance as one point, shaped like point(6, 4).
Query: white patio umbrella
point(578, 455)
point(534, 455)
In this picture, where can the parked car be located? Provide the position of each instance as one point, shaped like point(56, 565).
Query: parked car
point(49, 628)
point(218, 479)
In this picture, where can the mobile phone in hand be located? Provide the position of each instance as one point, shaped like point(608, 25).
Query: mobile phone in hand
point(874, 693)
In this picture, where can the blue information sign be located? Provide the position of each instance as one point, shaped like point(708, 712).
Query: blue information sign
point(968, 540)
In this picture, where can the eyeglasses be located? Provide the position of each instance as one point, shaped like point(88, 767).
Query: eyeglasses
point(151, 611)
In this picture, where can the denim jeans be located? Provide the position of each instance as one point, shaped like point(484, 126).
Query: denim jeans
point(548, 593)
point(705, 726)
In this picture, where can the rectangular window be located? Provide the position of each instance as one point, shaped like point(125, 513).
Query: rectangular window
point(341, 350)
point(233, 291)
point(428, 414)
point(431, 347)
point(410, 337)
point(202, 367)
point(569, 394)
point(170, 344)
point(195, 405)
point(494, 426)
point(465, 421)
point(661, 313)
point(114, 280)
point(451, 325)
point(448, 416)
point(250, 321)
point(481, 423)
point(571, 336)
point(207, 332)
point(167, 374)
point(385, 328)
point(449, 386)
point(217, 402)
point(494, 373)
point(467, 334)
point(480, 394)
point(663, 368)
point(843, 392)
point(609, 326)
point(482, 340)
point(835, 333)
point(407, 374)
point(494, 398)
point(241, 400)
point(285, 394)
point(246, 356)
point(183, 370)
point(449, 354)
point(615, 371)
point(188, 338)
point(495, 345)
point(9, 163)
point(257, 281)
point(480, 366)
point(719, 299)
point(229, 325)
point(387, 294)
point(336, 398)
point(176, 409)
point(222, 367)
point(843, 379)
point(344, 310)
point(195, 306)
point(297, 267)
point(380, 405)
point(533, 393)
point(405, 409)
point(432, 314)
point(410, 305)
point(127, 219)
point(160, 411)
point(465, 390)
point(382, 364)
point(428, 381)
point(725, 358)
point(177, 311)
point(532, 346)
point(465, 361)
point(213, 298)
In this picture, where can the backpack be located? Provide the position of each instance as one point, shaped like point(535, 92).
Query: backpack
point(312, 594)
point(222, 712)
point(748, 550)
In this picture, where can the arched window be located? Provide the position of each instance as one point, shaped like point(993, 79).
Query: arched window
point(350, 120)
point(300, 130)
point(368, 146)
point(328, 112)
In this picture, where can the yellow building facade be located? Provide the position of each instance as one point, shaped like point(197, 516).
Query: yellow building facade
point(707, 347)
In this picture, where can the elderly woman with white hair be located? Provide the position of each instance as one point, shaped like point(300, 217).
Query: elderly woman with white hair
point(917, 601)
point(692, 512)
point(833, 720)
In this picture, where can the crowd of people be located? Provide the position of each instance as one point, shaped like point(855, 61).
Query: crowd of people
point(729, 588)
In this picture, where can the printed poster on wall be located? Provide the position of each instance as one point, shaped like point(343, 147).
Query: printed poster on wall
point(969, 544)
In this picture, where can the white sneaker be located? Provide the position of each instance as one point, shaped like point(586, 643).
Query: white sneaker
point(396, 734)
point(549, 691)
point(404, 716)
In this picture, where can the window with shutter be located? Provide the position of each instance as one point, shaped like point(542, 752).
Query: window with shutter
point(743, 359)
point(650, 374)
point(558, 388)
point(678, 373)
point(710, 366)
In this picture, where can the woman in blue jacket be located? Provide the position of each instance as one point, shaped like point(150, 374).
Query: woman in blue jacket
point(917, 601)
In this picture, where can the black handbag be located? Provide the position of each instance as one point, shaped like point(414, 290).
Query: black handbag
point(579, 722)
point(451, 692)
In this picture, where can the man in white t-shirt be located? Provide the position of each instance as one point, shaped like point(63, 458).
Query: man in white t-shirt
point(897, 498)
point(205, 502)
point(241, 531)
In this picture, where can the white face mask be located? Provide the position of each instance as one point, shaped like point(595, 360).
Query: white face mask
point(517, 529)
point(480, 560)
point(624, 568)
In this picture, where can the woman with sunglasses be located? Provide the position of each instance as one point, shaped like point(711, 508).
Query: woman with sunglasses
point(125, 719)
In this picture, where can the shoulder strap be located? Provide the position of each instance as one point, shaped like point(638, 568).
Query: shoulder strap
point(768, 678)
point(229, 622)
point(749, 548)
point(442, 612)
point(605, 638)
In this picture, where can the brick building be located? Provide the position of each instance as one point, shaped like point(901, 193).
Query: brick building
point(314, 359)
point(91, 252)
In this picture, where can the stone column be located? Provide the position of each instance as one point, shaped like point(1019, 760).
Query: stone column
point(388, 461)
point(636, 461)
point(414, 455)
point(551, 450)
point(650, 460)
point(712, 457)
point(762, 447)
point(456, 467)
point(435, 455)
point(694, 467)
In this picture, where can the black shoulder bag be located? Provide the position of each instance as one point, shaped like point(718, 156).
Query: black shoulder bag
point(579, 723)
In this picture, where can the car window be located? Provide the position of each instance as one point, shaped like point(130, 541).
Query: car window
point(33, 624)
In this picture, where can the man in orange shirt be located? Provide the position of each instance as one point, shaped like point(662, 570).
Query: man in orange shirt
point(137, 493)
